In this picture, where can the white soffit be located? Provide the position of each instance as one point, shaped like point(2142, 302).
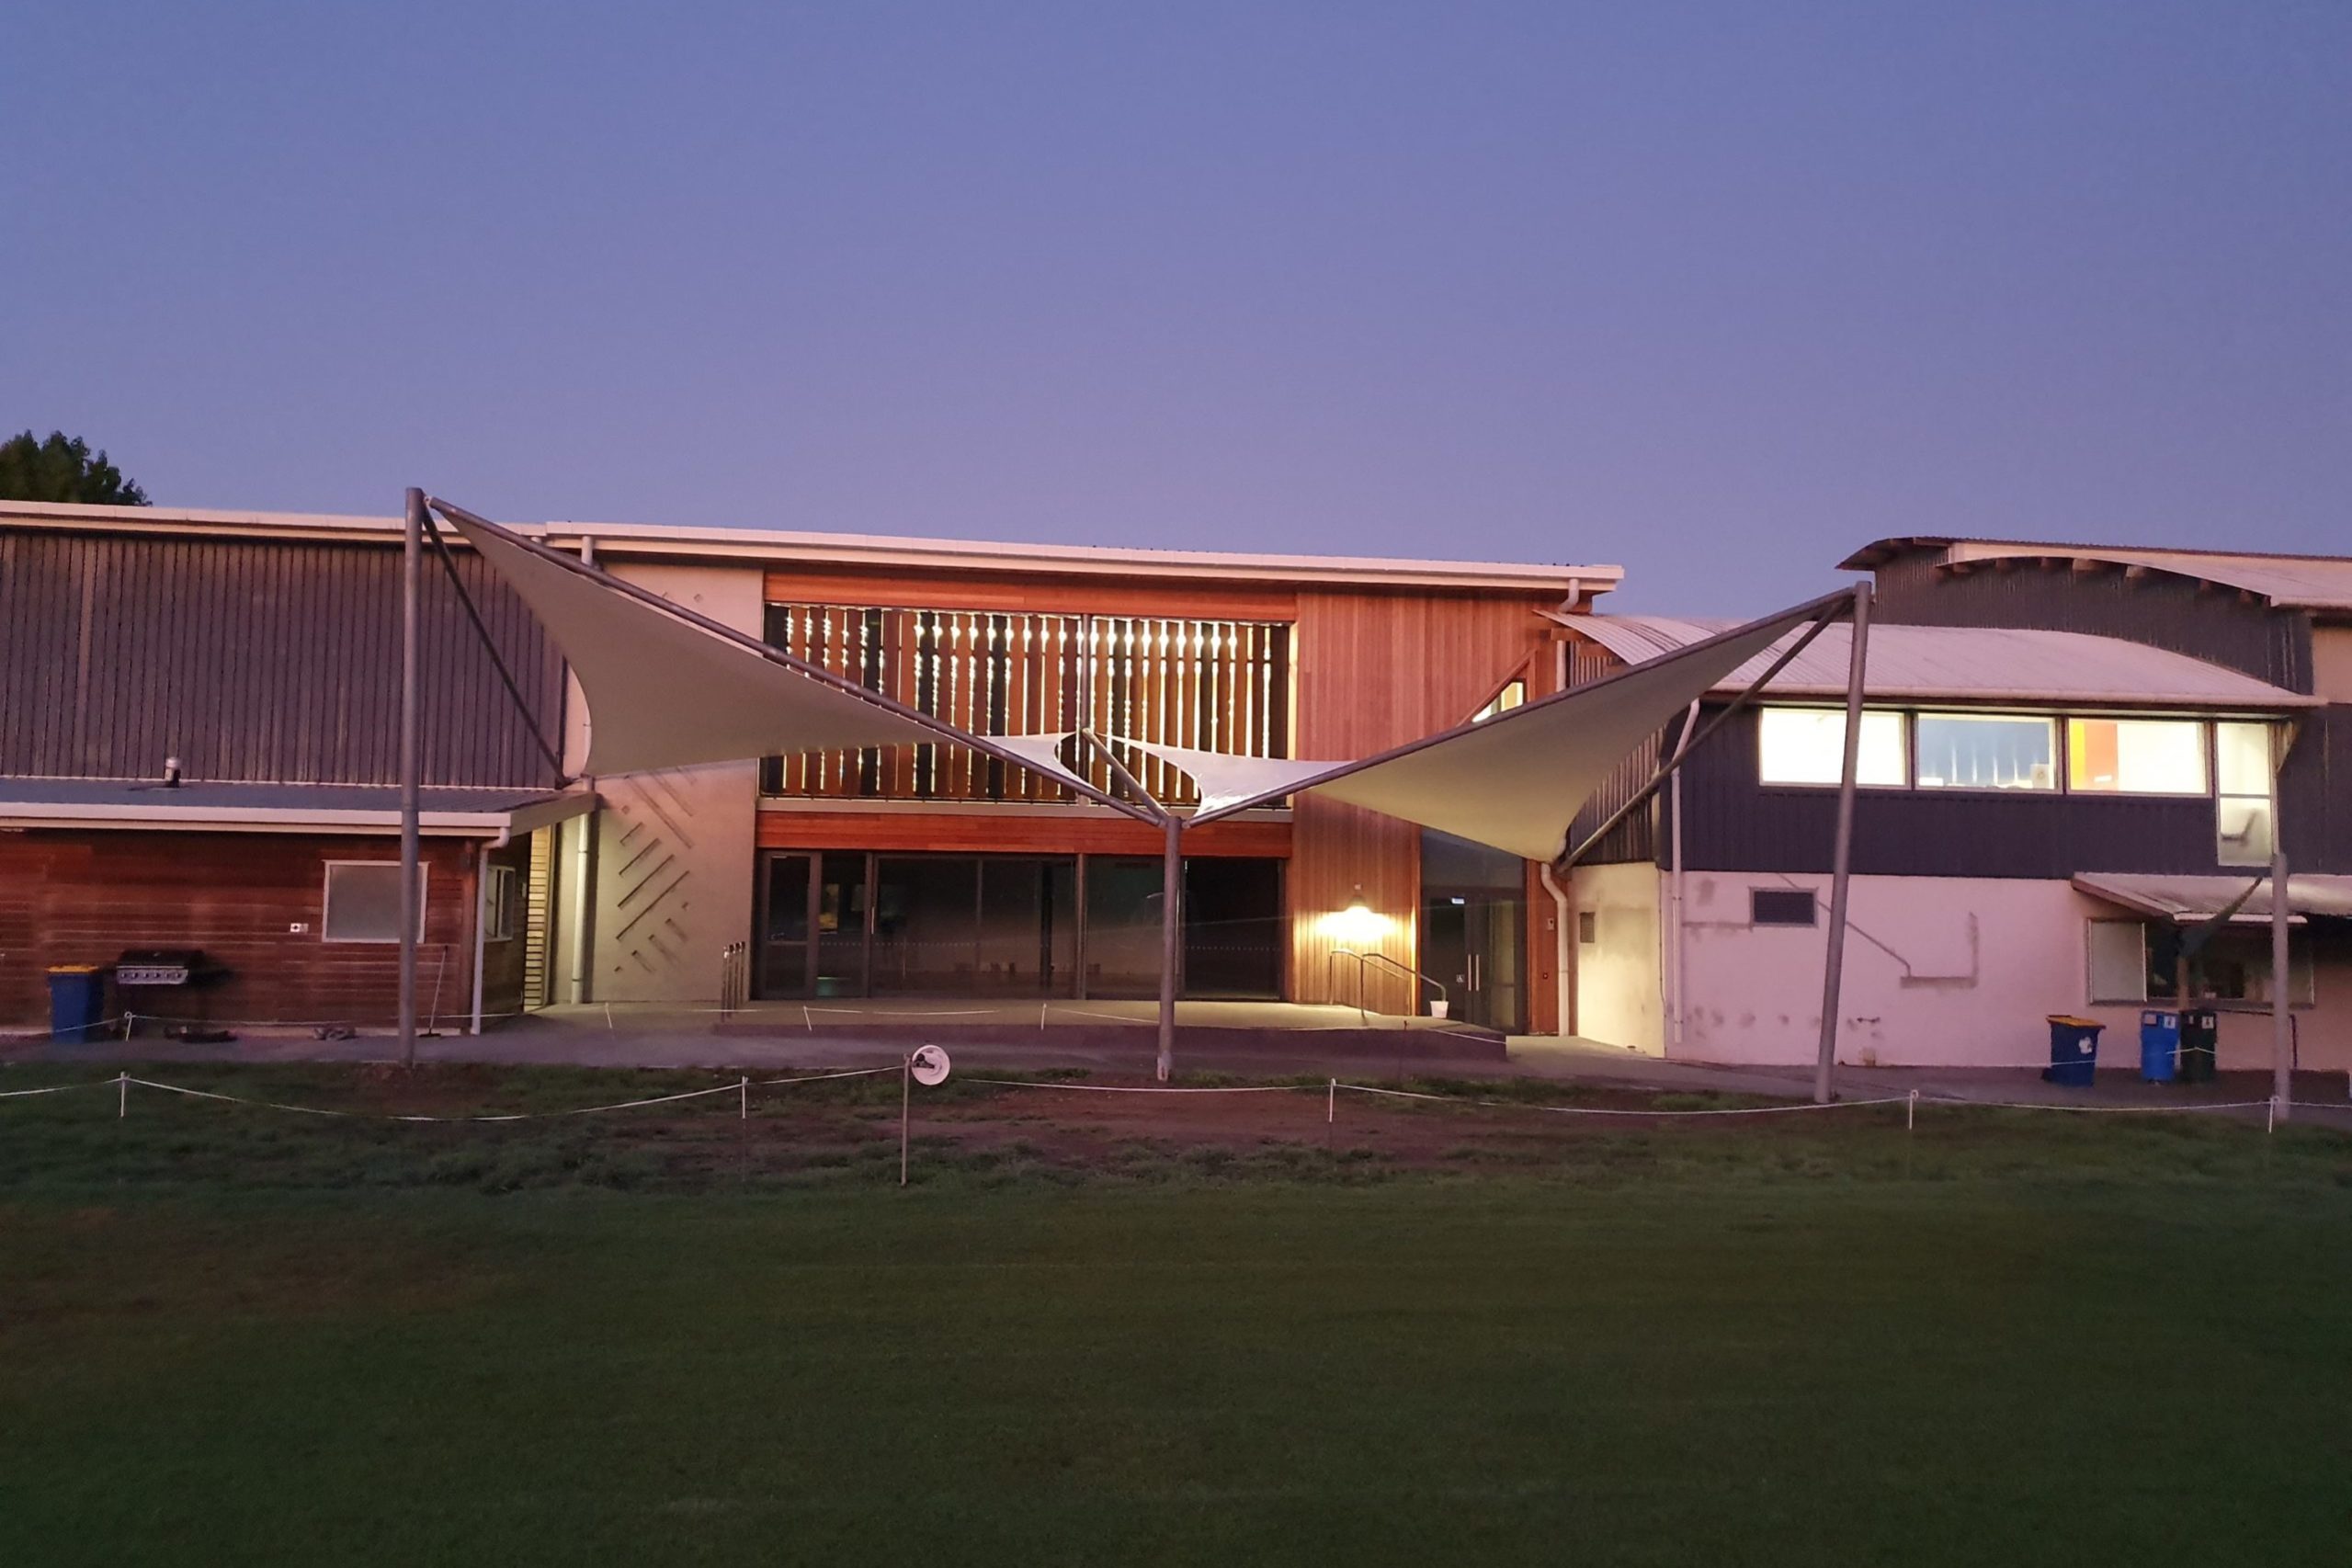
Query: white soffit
point(664, 694)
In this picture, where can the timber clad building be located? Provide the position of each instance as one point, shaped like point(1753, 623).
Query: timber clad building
point(257, 656)
point(2067, 773)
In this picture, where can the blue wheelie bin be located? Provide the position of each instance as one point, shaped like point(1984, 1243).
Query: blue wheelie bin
point(76, 1000)
point(2159, 1046)
point(2074, 1051)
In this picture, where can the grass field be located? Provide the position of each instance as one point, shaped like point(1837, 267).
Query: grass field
point(236, 1336)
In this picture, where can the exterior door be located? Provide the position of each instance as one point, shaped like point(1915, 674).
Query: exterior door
point(785, 886)
point(1473, 943)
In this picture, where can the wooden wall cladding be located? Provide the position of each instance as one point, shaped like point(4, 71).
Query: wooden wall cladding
point(1082, 832)
point(1062, 596)
point(1374, 671)
point(83, 897)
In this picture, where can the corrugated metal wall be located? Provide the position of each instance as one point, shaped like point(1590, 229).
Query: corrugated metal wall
point(2158, 610)
point(255, 661)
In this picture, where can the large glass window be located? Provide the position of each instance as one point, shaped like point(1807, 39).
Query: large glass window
point(1986, 751)
point(1807, 746)
point(2135, 756)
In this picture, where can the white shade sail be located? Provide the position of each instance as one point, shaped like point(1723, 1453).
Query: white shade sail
point(1043, 753)
point(1227, 781)
point(1518, 780)
point(662, 693)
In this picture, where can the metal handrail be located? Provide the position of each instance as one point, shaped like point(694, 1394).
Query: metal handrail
point(1401, 968)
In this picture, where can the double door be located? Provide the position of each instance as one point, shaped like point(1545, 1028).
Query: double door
point(1474, 941)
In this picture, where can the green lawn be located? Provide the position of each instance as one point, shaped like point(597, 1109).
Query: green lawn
point(2001, 1341)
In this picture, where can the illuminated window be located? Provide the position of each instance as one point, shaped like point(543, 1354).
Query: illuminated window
point(363, 901)
point(2242, 807)
point(1510, 696)
point(1986, 751)
point(1807, 746)
point(2135, 756)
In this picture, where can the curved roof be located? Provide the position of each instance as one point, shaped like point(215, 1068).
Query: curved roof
point(1971, 664)
point(2286, 582)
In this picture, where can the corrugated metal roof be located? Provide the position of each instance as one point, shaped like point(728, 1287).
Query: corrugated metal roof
point(366, 807)
point(1966, 664)
point(880, 551)
point(2190, 900)
point(2290, 582)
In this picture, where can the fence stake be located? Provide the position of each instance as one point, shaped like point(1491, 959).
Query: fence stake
point(905, 1100)
point(745, 1087)
point(122, 1095)
point(1330, 1103)
point(607, 1017)
point(2270, 1122)
point(1911, 1111)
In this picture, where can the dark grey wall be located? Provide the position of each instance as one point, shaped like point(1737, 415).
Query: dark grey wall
point(2158, 610)
point(1731, 823)
point(254, 660)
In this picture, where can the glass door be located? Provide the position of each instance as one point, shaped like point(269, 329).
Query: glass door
point(782, 962)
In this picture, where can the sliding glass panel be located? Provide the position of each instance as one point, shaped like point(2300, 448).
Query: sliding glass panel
point(1986, 751)
point(2243, 814)
point(1807, 746)
point(841, 924)
point(1235, 934)
point(1029, 925)
point(1122, 926)
point(2135, 756)
point(926, 924)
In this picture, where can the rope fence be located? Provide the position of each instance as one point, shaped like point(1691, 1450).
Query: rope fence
point(124, 1082)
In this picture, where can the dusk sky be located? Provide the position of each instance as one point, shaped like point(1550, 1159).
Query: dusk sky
point(1713, 291)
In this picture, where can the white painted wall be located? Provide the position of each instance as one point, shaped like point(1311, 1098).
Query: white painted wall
point(1939, 972)
point(675, 849)
point(1618, 1000)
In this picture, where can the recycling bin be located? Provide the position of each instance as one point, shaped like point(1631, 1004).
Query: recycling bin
point(2159, 1046)
point(2200, 1040)
point(2074, 1051)
point(76, 1002)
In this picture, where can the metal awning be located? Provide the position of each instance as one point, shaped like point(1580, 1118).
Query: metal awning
point(2190, 900)
point(280, 808)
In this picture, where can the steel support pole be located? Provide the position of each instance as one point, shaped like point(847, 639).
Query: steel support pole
point(412, 576)
point(2282, 1024)
point(1833, 974)
point(1171, 940)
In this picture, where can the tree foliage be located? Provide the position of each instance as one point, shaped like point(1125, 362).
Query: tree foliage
point(62, 469)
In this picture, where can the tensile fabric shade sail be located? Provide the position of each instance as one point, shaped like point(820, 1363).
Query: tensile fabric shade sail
point(664, 694)
point(1518, 780)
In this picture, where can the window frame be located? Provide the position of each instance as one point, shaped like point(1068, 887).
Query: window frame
point(501, 884)
point(326, 903)
point(2207, 755)
point(2052, 721)
point(1901, 716)
point(1813, 909)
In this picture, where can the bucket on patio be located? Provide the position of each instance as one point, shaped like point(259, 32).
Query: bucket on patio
point(2074, 1051)
point(1437, 1006)
point(2200, 1040)
point(2159, 1046)
point(76, 1000)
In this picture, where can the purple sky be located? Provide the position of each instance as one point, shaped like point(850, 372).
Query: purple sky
point(1717, 292)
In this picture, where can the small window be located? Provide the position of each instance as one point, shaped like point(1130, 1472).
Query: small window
point(500, 903)
point(2135, 756)
point(1985, 750)
point(1510, 696)
point(1782, 906)
point(2119, 960)
point(363, 901)
point(1588, 926)
point(1807, 746)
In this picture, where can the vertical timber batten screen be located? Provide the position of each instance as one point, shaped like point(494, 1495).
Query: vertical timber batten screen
point(1209, 685)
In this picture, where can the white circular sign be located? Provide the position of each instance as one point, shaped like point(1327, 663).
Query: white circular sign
point(929, 1065)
